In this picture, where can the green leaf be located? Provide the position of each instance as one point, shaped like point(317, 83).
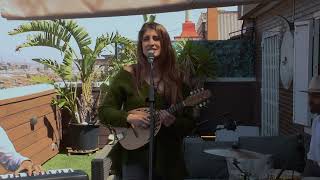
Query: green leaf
point(61, 103)
point(42, 39)
point(152, 18)
point(195, 60)
point(43, 26)
point(78, 33)
point(145, 18)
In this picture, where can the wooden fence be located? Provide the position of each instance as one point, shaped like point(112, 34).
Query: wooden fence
point(32, 125)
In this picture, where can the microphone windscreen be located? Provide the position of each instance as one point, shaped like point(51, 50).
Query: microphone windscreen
point(150, 53)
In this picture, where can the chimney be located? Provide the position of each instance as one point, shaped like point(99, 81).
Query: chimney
point(188, 29)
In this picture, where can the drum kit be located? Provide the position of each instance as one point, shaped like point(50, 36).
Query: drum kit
point(234, 153)
point(248, 164)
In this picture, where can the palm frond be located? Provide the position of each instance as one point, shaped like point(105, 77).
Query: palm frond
point(63, 70)
point(67, 64)
point(43, 39)
point(52, 64)
point(43, 26)
point(78, 33)
point(194, 60)
point(89, 59)
point(128, 50)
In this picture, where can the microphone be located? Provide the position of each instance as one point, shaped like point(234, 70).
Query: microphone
point(230, 125)
point(150, 56)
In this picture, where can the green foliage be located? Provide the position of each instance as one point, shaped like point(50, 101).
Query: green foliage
point(235, 58)
point(67, 99)
point(145, 17)
point(39, 79)
point(195, 61)
point(54, 34)
point(57, 34)
point(149, 18)
point(127, 55)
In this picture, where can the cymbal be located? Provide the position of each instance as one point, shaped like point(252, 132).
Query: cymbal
point(234, 153)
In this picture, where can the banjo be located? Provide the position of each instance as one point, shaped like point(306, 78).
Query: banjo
point(136, 137)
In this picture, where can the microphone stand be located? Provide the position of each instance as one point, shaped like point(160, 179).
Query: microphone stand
point(152, 115)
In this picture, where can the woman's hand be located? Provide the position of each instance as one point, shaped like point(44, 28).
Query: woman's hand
point(138, 118)
point(30, 167)
point(166, 118)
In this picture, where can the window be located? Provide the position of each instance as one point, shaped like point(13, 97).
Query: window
point(303, 56)
point(270, 83)
point(316, 41)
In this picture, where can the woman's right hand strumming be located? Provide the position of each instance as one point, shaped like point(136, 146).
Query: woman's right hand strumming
point(138, 118)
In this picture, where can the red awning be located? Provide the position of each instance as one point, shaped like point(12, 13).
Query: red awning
point(63, 9)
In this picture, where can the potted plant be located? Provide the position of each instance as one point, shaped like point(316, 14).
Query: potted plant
point(78, 102)
point(196, 63)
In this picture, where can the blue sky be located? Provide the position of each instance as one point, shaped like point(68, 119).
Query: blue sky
point(127, 26)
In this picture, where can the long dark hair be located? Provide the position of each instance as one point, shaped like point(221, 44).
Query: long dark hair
point(167, 63)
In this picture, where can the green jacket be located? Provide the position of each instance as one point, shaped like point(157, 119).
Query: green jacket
point(122, 97)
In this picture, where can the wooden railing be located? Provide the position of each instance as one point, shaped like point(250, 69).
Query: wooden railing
point(31, 122)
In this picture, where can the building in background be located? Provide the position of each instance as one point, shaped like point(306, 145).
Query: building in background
point(188, 30)
point(218, 24)
point(287, 37)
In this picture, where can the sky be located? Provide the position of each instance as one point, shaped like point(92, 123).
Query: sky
point(127, 26)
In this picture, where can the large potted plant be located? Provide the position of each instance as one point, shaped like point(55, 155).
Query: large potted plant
point(75, 89)
point(196, 63)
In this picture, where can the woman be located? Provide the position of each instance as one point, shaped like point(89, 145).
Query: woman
point(129, 91)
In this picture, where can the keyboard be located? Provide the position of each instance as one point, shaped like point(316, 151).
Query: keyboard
point(56, 174)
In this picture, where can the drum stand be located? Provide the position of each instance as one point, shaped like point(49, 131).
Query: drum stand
point(246, 175)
